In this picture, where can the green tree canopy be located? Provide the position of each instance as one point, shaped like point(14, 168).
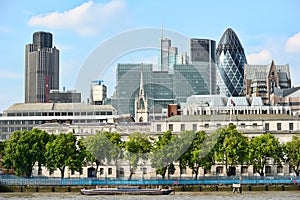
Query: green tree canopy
point(24, 149)
point(137, 148)
point(64, 152)
point(262, 149)
point(232, 148)
point(292, 153)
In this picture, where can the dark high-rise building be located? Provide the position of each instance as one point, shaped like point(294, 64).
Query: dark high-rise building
point(230, 64)
point(41, 68)
point(203, 50)
point(203, 58)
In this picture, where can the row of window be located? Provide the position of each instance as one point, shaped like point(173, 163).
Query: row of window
point(243, 125)
point(59, 113)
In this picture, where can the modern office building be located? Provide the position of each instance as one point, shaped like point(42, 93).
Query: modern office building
point(168, 55)
point(261, 80)
point(231, 59)
point(98, 92)
point(41, 68)
point(203, 58)
point(161, 88)
point(26, 116)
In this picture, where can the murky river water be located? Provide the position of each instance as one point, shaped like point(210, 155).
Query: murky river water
point(291, 195)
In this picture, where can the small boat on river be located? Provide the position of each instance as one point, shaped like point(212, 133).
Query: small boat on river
point(125, 191)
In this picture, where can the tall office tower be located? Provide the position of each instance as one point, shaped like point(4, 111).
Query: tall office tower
point(203, 58)
point(168, 55)
point(230, 64)
point(41, 68)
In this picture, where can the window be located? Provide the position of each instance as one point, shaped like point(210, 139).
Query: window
point(101, 171)
point(266, 126)
point(194, 127)
point(109, 171)
point(244, 170)
point(144, 170)
point(291, 126)
point(279, 126)
point(40, 171)
point(254, 125)
point(121, 171)
point(243, 125)
point(219, 170)
point(279, 169)
point(183, 170)
point(158, 127)
point(206, 125)
point(207, 171)
point(182, 127)
point(51, 171)
point(171, 127)
point(268, 170)
point(218, 125)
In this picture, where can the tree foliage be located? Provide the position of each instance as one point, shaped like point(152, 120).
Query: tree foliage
point(24, 149)
point(137, 148)
point(64, 152)
point(264, 148)
point(232, 148)
point(292, 153)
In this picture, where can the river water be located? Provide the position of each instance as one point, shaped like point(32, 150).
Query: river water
point(270, 195)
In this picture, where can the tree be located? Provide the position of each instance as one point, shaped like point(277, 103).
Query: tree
point(63, 152)
point(160, 157)
point(232, 148)
point(104, 146)
point(263, 148)
point(42, 138)
point(24, 149)
point(199, 153)
point(137, 147)
point(292, 153)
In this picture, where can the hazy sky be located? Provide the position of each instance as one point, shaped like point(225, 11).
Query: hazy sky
point(268, 30)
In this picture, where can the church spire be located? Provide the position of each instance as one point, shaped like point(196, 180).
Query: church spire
point(141, 103)
point(141, 93)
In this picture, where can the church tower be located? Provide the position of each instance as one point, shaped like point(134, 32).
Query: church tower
point(141, 104)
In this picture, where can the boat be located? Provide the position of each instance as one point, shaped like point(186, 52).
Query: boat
point(125, 191)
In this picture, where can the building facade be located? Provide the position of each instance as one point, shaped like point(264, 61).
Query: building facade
point(230, 65)
point(41, 68)
point(69, 96)
point(168, 55)
point(262, 80)
point(26, 116)
point(161, 88)
point(98, 92)
point(203, 58)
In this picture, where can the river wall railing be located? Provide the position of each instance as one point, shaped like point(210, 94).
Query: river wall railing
point(9, 180)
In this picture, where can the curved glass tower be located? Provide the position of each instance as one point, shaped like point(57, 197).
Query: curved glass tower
point(230, 64)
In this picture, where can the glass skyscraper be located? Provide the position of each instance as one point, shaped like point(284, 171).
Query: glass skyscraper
point(203, 58)
point(230, 64)
point(161, 88)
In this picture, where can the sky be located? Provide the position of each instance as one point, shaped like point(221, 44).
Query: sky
point(268, 30)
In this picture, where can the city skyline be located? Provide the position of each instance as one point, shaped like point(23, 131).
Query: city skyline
point(80, 27)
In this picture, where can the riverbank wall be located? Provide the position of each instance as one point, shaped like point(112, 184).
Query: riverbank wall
point(176, 188)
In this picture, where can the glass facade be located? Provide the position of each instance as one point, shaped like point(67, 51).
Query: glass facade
point(161, 88)
point(230, 65)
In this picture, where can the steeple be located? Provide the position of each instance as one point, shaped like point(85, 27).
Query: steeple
point(141, 103)
point(141, 92)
